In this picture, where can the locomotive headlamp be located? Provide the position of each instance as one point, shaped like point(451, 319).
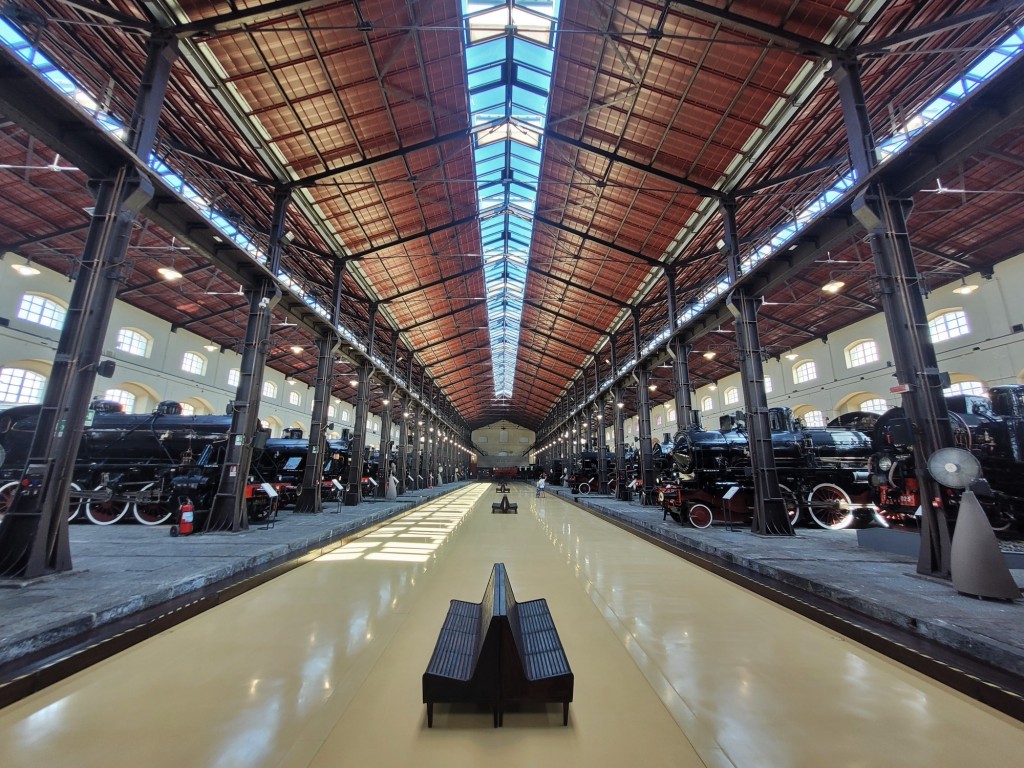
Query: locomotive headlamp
point(885, 463)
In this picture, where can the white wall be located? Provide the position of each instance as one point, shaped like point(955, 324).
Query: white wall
point(992, 352)
point(503, 444)
point(158, 376)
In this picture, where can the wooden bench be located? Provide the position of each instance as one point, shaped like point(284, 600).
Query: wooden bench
point(534, 667)
point(465, 662)
point(504, 507)
point(496, 652)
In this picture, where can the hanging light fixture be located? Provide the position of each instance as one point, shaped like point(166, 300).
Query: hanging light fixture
point(833, 286)
point(965, 288)
point(26, 269)
point(168, 273)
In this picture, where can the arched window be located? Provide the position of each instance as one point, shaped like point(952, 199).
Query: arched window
point(344, 415)
point(805, 371)
point(133, 342)
point(948, 324)
point(294, 398)
point(193, 362)
point(234, 376)
point(20, 386)
point(965, 388)
point(41, 310)
point(122, 396)
point(767, 385)
point(874, 405)
point(861, 353)
point(813, 419)
point(187, 409)
point(706, 403)
point(269, 389)
point(672, 415)
point(331, 411)
point(731, 396)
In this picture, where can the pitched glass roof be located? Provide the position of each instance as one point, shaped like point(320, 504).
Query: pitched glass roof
point(509, 57)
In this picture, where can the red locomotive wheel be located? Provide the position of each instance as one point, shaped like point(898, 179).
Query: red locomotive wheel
point(105, 512)
point(700, 515)
point(151, 512)
point(830, 507)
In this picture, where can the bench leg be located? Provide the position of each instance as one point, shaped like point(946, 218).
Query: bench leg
point(565, 713)
point(430, 714)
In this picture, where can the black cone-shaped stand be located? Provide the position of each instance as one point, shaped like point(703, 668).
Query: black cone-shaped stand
point(976, 562)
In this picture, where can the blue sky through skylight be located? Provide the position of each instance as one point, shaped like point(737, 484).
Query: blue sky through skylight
point(509, 57)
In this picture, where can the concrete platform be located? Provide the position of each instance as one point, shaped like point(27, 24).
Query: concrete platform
point(125, 575)
point(128, 576)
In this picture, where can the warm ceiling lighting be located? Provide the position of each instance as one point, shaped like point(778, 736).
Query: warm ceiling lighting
point(25, 270)
point(712, 387)
point(354, 382)
point(710, 355)
point(964, 289)
point(169, 274)
point(296, 349)
point(210, 347)
point(833, 286)
point(792, 356)
point(652, 387)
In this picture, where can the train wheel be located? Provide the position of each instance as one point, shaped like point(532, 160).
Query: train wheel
point(151, 512)
point(7, 496)
point(74, 505)
point(105, 512)
point(584, 488)
point(700, 515)
point(830, 507)
point(792, 504)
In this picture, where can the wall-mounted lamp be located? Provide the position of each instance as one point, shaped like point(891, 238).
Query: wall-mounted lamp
point(791, 356)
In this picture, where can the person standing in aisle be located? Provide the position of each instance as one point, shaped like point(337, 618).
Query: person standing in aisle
point(540, 486)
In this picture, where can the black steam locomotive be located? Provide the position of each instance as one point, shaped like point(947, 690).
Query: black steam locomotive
point(991, 428)
point(133, 463)
point(823, 471)
point(282, 463)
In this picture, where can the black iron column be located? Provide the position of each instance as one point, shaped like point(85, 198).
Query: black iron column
point(417, 434)
point(686, 417)
point(770, 515)
point(34, 532)
point(312, 473)
point(622, 493)
point(900, 287)
point(357, 443)
point(228, 512)
point(643, 405)
point(384, 450)
point(402, 469)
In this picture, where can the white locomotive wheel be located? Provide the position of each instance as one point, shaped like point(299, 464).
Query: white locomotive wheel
point(7, 496)
point(151, 512)
point(700, 515)
point(792, 504)
point(830, 507)
point(105, 512)
point(584, 488)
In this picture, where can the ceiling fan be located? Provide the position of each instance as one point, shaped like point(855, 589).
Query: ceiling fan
point(239, 292)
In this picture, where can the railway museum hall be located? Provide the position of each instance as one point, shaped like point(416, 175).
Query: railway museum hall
point(519, 382)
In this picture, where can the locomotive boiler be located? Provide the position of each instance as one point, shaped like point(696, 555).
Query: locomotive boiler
point(128, 463)
point(822, 471)
point(991, 428)
point(282, 463)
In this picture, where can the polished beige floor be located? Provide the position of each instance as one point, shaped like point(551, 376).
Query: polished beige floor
point(674, 667)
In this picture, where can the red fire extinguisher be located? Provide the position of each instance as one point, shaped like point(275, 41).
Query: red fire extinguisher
point(186, 514)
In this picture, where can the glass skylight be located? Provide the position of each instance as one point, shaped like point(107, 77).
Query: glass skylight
point(509, 57)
